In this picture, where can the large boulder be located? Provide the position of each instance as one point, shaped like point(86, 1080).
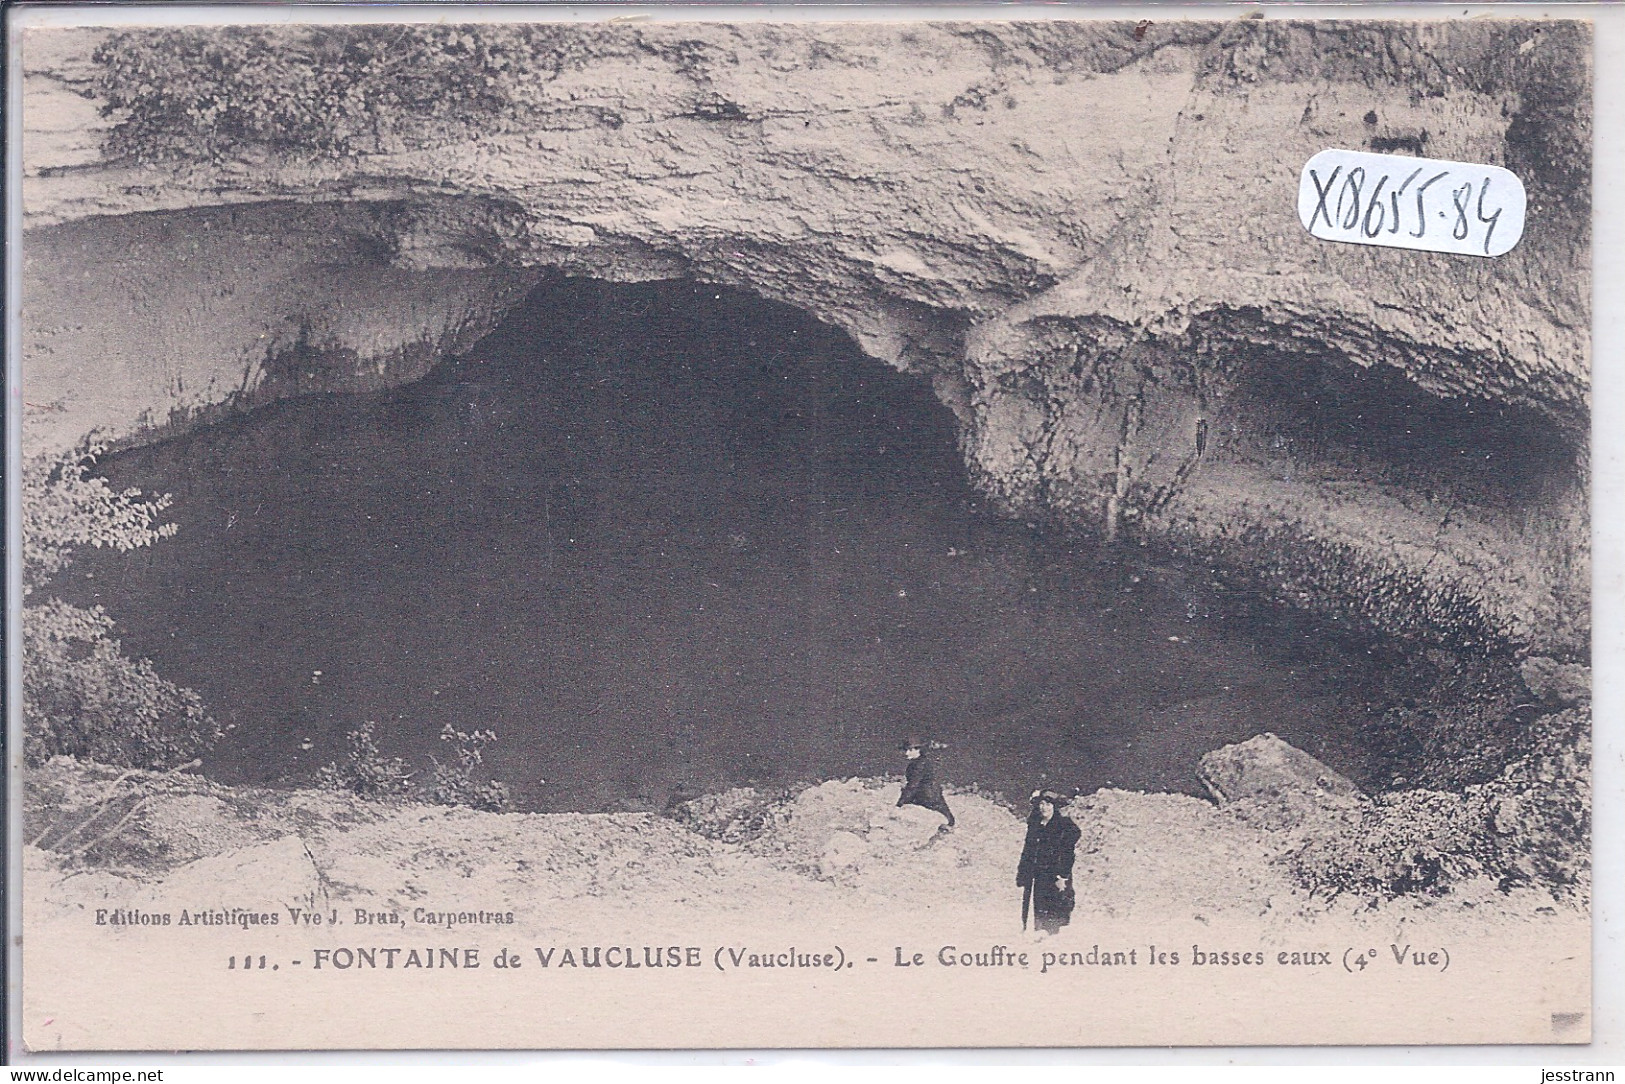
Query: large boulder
point(1277, 783)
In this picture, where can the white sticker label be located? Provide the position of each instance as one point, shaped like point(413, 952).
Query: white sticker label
point(1419, 203)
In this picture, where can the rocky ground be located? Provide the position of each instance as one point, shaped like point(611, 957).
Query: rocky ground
point(918, 912)
point(104, 838)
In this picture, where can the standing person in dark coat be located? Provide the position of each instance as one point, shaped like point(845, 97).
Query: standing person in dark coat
point(1045, 871)
point(920, 787)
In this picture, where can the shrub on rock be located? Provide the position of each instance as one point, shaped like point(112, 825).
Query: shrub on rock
point(454, 780)
point(82, 696)
point(365, 771)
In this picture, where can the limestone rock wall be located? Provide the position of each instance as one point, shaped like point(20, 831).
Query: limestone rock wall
point(1082, 234)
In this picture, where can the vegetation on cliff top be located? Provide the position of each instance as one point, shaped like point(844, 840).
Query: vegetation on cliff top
point(212, 93)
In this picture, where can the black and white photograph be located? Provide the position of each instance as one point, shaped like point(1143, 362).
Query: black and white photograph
point(712, 532)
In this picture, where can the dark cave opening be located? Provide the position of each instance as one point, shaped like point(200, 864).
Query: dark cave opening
point(671, 538)
point(1374, 421)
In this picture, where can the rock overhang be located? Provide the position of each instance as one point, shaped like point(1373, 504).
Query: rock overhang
point(1073, 232)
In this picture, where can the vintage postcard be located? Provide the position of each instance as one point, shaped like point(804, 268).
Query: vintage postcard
point(699, 533)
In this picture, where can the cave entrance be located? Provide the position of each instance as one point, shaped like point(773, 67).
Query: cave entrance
point(666, 539)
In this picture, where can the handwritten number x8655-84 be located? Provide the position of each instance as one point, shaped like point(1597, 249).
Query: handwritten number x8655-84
point(1346, 214)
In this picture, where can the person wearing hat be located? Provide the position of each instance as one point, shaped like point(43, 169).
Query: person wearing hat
point(920, 786)
point(1045, 872)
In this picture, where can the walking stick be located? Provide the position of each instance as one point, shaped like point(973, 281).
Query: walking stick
point(1026, 901)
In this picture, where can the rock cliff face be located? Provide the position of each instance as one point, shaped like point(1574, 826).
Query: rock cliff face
point(1083, 235)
